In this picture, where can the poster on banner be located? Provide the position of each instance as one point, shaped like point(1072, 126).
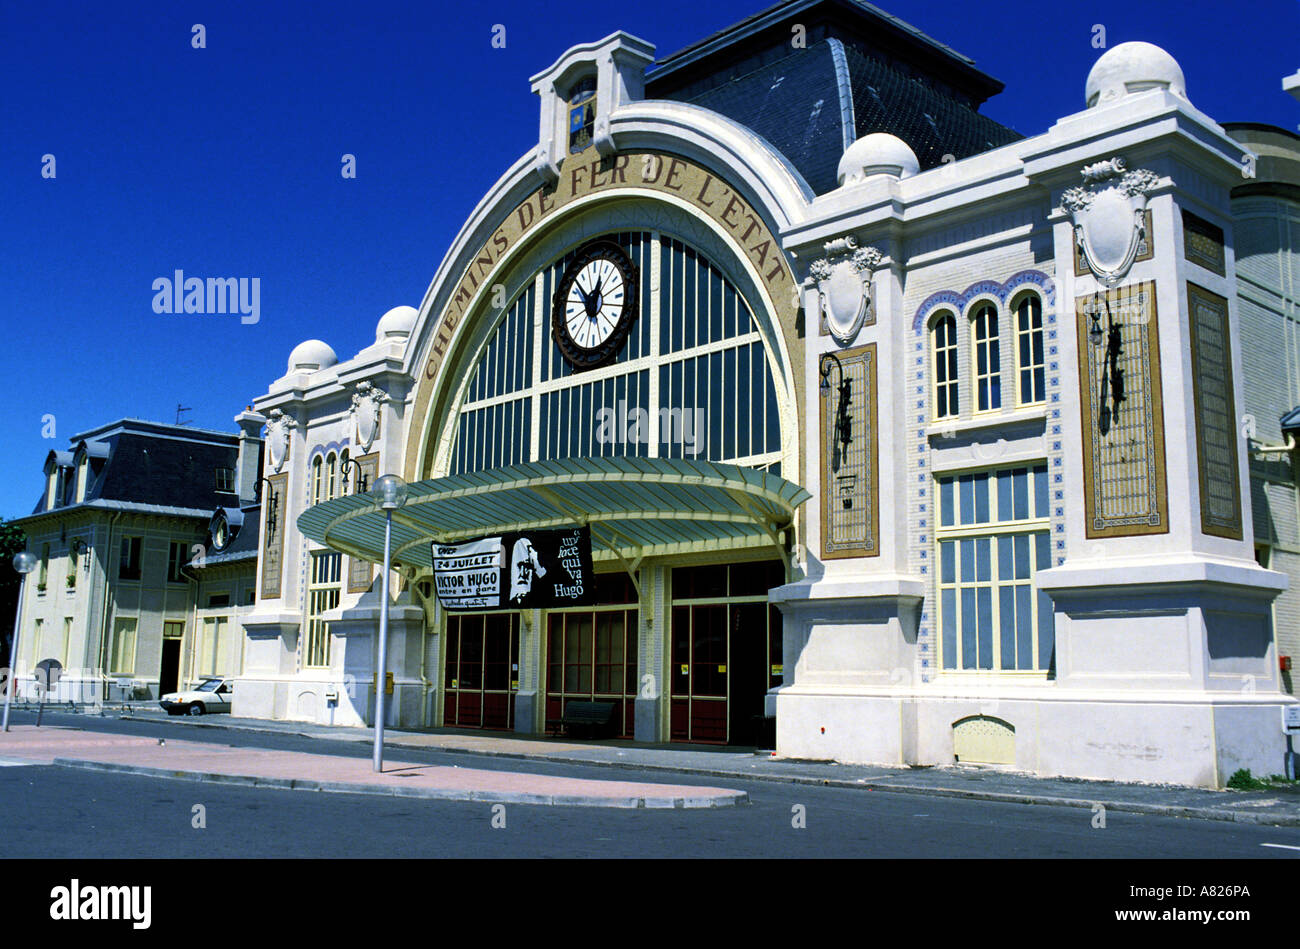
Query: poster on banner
point(537, 569)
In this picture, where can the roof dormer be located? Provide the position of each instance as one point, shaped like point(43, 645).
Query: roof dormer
point(57, 466)
point(580, 91)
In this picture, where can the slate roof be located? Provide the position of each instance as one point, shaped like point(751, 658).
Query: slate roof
point(861, 71)
point(244, 545)
point(150, 466)
point(934, 125)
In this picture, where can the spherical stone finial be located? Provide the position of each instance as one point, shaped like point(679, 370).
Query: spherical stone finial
point(397, 323)
point(878, 153)
point(310, 355)
point(1129, 68)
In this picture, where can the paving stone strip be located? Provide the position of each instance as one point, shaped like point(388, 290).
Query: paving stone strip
point(255, 767)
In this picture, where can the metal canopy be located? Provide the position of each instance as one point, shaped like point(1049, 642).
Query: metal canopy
point(635, 507)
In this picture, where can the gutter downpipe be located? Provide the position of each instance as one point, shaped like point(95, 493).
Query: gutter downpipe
point(103, 614)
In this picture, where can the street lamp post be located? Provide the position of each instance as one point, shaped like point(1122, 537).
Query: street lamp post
point(390, 491)
point(24, 563)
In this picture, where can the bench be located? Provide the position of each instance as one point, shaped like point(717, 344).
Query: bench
point(592, 716)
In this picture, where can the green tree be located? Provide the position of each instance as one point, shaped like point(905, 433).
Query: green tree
point(12, 540)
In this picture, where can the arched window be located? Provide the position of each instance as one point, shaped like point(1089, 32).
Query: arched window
point(945, 365)
point(1029, 350)
point(701, 387)
point(317, 481)
point(346, 482)
point(330, 480)
point(582, 114)
point(987, 359)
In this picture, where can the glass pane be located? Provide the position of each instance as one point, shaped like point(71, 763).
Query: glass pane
point(1046, 631)
point(1004, 494)
point(1004, 557)
point(1007, 626)
point(582, 628)
point(968, 628)
point(983, 552)
point(968, 561)
point(949, 632)
point(967, 484)
point(982, 498)
point(1020, 493)
point(1022, 557)
point(985, 600)
point(947, 562)
point(1025, 625)
point(946, 502)
point(1040, 491)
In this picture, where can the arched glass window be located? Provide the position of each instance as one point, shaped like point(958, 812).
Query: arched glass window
point(330, 480)
point(987, 358)
point(582, 114)
point(317, 482)
point(1029, 350)
point(347, 484)
point(692, 381)
point(945, 366)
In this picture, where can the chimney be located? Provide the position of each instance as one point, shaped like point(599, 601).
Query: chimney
point(249, 466)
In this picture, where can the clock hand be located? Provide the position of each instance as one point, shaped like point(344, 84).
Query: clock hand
point(586, 304)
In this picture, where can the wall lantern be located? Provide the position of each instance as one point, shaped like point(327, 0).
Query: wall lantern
point(271, 507)
point(843, 420)
point(362, 486)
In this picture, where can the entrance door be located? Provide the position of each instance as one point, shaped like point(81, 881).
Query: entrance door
point(591, 657)
point(725, 652)
point(169, 673)
point(481, 670)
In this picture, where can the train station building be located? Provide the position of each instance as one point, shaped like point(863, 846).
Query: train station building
point(900, 437)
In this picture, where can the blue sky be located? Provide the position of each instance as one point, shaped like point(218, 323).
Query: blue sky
point(225, 162)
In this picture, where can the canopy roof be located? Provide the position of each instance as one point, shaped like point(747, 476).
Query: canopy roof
point(635, 507)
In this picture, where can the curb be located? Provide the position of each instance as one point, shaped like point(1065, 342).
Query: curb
point(730, 799)
point(1005, 797)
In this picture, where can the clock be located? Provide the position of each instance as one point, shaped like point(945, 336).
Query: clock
point(594, 305)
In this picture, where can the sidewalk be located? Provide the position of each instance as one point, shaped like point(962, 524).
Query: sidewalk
point(60, 744)
point(1276, 806)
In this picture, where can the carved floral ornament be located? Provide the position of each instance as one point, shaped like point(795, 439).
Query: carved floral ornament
point(366, 401)
point(843, 282)
point(1108, 215)
point(278, 427)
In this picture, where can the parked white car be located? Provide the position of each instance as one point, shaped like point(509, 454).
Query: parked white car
point(212, 695)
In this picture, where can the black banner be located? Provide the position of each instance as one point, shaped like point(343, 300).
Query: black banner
point(519, 570)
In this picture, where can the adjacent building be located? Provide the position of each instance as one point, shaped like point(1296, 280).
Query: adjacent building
point(122, 597)
point(1266, 224)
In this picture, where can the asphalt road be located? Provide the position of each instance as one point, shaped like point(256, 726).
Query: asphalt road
point(65, 813)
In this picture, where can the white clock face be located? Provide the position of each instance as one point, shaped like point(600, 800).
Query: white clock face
point(595, 303)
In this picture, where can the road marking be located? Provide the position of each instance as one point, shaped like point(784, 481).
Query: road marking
point(1281, 846)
